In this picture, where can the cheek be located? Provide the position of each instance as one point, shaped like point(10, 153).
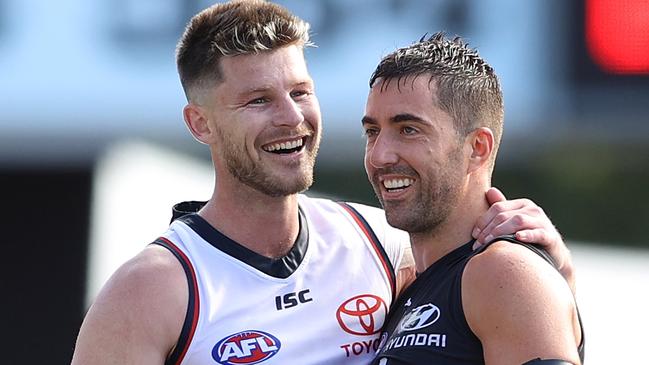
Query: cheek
point(310, 108)
point(249, 128)
point(369, 169)
point(312, 116)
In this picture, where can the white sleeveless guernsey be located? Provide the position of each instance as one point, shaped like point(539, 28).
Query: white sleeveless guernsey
point(323, 303)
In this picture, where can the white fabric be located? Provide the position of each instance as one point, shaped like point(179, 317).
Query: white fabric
point(340, 264)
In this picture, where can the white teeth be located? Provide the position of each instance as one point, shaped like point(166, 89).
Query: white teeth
point(284, 145)
point(397, 183)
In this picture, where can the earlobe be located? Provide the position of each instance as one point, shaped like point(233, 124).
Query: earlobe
point(482, 145)
point(197, 123)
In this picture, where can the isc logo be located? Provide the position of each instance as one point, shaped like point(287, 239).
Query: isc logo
point(246, 347)
point(292, 299)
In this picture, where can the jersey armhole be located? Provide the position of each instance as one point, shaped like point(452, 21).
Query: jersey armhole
point(191, 317)
point(376, 244)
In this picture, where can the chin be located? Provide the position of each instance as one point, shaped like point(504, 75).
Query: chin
point(410, 221)
point(396, 218)
point(286, 188)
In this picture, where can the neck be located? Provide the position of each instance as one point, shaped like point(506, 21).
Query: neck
point(266, 225)
point(430, 246)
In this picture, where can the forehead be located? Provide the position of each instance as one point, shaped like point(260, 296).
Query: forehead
point(411, 94)
point(285, 65)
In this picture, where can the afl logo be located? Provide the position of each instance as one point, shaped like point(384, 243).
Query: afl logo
point(420, 317)
point(362, 315)
point(246, 347)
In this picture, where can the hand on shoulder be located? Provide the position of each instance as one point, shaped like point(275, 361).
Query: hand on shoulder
point(529, 223)
point(519, 306)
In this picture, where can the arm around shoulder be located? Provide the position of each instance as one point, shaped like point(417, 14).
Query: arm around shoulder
point(519, 307)
point(138, 315)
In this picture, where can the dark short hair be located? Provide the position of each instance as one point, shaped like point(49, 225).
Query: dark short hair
point(467, 87)
point(234, 28)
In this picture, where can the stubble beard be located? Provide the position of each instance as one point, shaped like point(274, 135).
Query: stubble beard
point(255, 174)
point(430, 208)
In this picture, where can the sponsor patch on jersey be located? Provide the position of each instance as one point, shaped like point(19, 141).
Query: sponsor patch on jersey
point(362, 315)
point(246, 347)
point(420, 317)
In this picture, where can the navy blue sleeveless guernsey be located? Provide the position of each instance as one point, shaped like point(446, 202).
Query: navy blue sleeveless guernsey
point(427, 324)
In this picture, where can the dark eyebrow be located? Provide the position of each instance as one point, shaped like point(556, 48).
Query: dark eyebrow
point(399, 118)
point(368, 120)
point(407, 117)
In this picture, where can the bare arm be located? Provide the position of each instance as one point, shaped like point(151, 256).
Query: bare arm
point(138, 315)
point(529, 223)
point(519, 307)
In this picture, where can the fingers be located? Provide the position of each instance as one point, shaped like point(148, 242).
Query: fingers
point(550, 239)
point(501, 211)
point(533, 235)
point(526, 235)
point(529, 223)
point(506, 223)
point(494, 195)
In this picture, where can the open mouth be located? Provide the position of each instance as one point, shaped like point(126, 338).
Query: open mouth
point(393, 185)
point(285, 147)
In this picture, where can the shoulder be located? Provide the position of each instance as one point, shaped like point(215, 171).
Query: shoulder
point(512, 298)
point(153, 276)
point(146, 295)
point(505, 270)
point(502, 258)
point(153, 269)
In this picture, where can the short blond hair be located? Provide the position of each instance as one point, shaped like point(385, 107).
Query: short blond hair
point(234, 28)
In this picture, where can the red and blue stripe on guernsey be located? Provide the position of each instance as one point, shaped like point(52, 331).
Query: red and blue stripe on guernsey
point(191, 317)
point(376, 244)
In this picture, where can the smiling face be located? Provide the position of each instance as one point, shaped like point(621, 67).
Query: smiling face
point(263, 121)
point(414, 157)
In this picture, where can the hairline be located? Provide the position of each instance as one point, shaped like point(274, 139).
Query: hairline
point(197, 89)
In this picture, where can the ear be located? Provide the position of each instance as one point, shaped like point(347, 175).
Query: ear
point(196, 119)
point(482, 147)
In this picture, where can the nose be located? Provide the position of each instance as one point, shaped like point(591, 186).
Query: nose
point(381, 152)
point(288, 113)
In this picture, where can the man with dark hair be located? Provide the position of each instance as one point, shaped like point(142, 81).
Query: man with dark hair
point(261, 273)
point(433, 121)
